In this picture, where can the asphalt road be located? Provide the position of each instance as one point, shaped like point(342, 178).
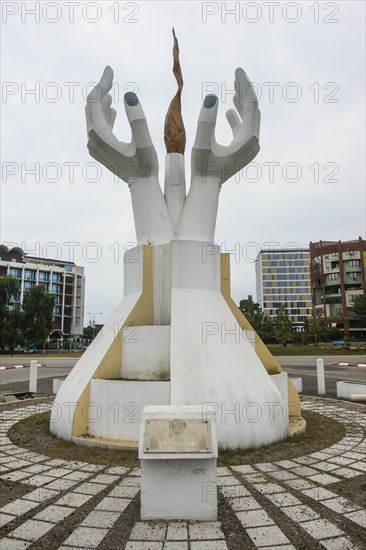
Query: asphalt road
point(17, 380)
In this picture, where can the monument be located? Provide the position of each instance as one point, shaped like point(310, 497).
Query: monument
point(173, 338)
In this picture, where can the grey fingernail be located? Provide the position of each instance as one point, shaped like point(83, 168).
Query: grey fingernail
point(131, 99)
point(209, 101)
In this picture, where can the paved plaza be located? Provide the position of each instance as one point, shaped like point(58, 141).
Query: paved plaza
point(290, 504)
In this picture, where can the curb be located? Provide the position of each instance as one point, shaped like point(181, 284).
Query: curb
point(20, 366)
point(348, 364)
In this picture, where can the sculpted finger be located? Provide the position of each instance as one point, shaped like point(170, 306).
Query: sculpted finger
point(234, 120)
point(245, 98)
point(137, 120)
point(206, 123)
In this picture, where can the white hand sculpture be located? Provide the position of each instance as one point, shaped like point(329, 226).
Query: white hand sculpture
point(212, 164)
point(135, 162)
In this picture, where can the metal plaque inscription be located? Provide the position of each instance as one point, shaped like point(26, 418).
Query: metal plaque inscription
point(177, 436)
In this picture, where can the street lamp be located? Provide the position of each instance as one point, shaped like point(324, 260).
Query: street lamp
point(92, 322)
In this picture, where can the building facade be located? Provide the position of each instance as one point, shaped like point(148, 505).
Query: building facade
point(337, 277)
point(65, 280)
point(283, 278)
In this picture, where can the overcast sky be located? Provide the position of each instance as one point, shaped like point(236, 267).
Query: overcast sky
point(307, 183)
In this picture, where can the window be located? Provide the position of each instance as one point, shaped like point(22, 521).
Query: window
point(354, 263)
point(332, 276)
point(56, 288)
point(57, 310)
point(56, 277)
point(43, 276)
point(338, 311)
point(352, 275)
point(327, 265)
point(28, 284)
point(30, 274)
point(14, 272)
point(68, 267)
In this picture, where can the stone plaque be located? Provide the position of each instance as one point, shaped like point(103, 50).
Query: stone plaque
point(177, 436)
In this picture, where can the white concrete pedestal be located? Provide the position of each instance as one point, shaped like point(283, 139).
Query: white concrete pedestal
point(179, 485)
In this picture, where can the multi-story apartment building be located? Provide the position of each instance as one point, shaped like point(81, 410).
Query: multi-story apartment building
point(63, 279)
point(283, 278)
point(337, 277)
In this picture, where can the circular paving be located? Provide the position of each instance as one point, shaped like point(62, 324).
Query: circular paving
point(289, 504)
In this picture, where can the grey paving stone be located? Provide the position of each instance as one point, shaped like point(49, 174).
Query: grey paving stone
point(254, 478)
point(359, 466)
point(132, 545)
point(12, 544)
point(342, 460)
point(325, 466)
point(131, 481)
point(61, 484)
point(324, 479)
point(340, 505)
point(254, 518)
point(300, 513)
point(32, 530)
point(181, 545)
point(36, 469)
point(177, 530)
point(358, 517)
point(261, 536)
point(117, 470)
point(226, 481)
point(304, 471)
point(347, 473)
point(235, 491)
point(267, 467)
point(101, 518)
point(38, 480)
point(244, 503)
point(223, 471)
point(86, 537)
point(283, 475)
point(90, 488)
point(5, 518)
point(54, 513)
point(205, 530)
point(339, 543)
point(124, 491)
point(318, 493)
point(18, 507)
point(105, 479)
point(286, 464)
point(283, 499)
point(113, 504)
point(58, 472)
point(321, 529)
point(15, 476)
point(305, 460)
point(299, 484)
point(209, 545)
point(268, 488)
point(75, 500)
point(91, 467)
point(245, 469)
point(78, 476)
point(146, 531)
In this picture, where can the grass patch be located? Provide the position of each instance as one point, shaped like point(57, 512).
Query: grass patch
point(312, 350)
point(33, 433)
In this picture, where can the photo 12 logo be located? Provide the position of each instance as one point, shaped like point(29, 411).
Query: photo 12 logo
point(270, 12)
point(69, 12)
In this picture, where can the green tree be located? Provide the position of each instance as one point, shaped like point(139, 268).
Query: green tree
point(316, 328)
point(358, 311)
point(37, 314)
point(261, 323)
point(9, 319)
point(282, 326)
